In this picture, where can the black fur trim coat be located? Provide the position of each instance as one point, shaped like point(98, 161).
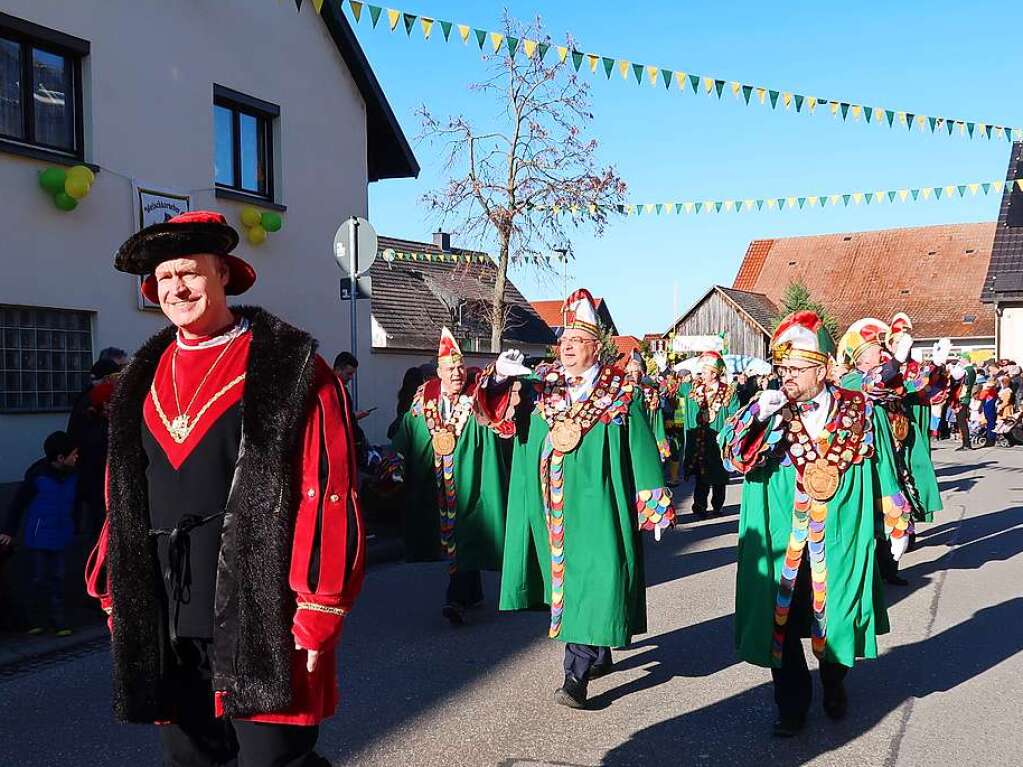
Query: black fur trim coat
point(252, 642)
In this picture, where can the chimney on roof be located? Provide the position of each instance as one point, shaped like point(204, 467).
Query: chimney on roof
point(442, 240)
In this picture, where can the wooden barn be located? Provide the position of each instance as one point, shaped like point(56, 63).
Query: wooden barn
point(745, 318)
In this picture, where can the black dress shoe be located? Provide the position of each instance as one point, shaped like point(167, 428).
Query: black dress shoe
point(836, 702)
point(572, 693)
point(896, 580)
point(454, 613)
point(787, 727)
point(597, 670)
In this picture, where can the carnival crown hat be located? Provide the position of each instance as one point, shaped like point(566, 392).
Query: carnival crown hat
point(193, 233)
point(448, 349)
point(580, 313)
point(802, 336)
point(859, 337)
point(901, 323)
point(711, 360)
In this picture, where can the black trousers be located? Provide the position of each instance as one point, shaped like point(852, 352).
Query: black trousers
point(702, 490)
point(199, 739)
point(793, 687)
point(963, 423)
point(465, 588)
point(886, 563)
point(580, 658)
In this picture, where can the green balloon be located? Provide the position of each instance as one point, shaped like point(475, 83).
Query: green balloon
point(52, 180)
point(271, 221)
point(64, 201)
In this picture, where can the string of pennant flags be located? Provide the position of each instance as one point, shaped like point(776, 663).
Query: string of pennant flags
point(660, 77)
point(447, 258)
point(739, 205)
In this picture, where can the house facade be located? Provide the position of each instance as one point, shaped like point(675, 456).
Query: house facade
point(1003, 286)
point(743, 319)
point(172, 109)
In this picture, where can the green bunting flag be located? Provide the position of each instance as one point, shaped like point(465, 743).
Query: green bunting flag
point(712, 86)
point(803, 202)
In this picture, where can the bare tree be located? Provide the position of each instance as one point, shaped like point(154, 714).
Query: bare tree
point(523, 182)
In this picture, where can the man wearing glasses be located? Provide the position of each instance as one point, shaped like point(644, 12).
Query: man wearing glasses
point(586, 477)
point(806, 541)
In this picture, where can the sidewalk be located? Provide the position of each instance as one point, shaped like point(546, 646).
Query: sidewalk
point(18, 651)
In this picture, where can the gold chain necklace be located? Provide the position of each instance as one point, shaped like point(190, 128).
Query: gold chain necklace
point(182, 426)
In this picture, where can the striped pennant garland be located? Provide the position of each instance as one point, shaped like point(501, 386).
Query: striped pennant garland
point(685, 82)
point(444, 467)
point(447, 258)
point(890, 196)
point(552, 480)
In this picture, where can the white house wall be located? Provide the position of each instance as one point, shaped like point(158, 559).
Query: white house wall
point(149, 94)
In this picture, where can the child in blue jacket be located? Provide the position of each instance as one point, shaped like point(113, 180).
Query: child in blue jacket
point(46, 500)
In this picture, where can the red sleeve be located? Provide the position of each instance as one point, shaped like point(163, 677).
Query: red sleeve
point(495, 404)
point(328, 551)
point(97, 579)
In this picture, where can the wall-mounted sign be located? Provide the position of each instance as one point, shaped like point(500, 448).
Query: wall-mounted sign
point(681, 344)
point(153, 206)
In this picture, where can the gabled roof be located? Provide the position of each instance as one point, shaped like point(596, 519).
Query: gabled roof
point(412, 300)
point(757, 306)
point(625, 346)
point(1005, 273)
point(388, 154)
point(933, 273)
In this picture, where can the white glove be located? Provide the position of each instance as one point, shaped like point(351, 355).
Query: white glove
point(957, 371)
point(770, 402)
point(903, 345)
point(509, 364)
point(899, 546)
point(940, 351)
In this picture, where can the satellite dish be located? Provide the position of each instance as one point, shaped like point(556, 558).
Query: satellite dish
point(359, 231)
point(389, 255)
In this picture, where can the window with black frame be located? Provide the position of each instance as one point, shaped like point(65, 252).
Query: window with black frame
point(243, 129)
point(40, 88)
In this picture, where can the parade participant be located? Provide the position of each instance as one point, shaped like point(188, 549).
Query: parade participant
point(964, 380)
point(457, 480)
point(234, 546)
point(907, 484)
point(806, 540)
point(635, 371)
point(585, 478)
point(709, 401)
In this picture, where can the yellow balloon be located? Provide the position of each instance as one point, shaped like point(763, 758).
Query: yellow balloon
point(76, 187)
point(83, 172)
point(251, 217)
point(256, 235)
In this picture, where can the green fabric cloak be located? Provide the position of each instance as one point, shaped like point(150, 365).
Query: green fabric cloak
point(606, 480)
point(708, 465)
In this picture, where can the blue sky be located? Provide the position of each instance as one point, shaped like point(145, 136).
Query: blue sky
point(938, 58)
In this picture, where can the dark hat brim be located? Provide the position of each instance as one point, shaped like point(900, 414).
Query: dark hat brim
point(144, 251)
point(241, 277)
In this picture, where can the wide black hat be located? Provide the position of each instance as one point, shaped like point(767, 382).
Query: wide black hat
point(200, 231)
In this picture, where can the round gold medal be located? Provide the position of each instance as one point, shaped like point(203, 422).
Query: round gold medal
point(565, 436)
point(443, 442)
point(900, 427)
point(820, 479)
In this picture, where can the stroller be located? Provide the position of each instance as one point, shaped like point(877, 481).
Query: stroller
point(1009, 432)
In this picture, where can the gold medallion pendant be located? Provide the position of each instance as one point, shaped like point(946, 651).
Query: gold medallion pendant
point(566, 435)
point(820, 479)
point(443, 442)
point(900, 426)
point(179, 429)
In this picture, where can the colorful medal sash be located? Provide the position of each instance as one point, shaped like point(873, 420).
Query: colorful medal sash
point(707, 411)
point(444, 437)
point(847, 439)
point(610, 398)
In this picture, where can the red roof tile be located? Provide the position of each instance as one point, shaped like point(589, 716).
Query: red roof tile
point(934, 273)
point(625, 345)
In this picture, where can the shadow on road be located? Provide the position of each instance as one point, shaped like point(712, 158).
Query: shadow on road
point(736, 731)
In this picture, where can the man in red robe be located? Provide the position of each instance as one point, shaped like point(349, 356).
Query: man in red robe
point(233, 547)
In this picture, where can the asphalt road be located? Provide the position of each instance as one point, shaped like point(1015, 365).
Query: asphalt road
point(416, 692)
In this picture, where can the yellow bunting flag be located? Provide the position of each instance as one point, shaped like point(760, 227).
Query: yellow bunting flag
point(594, 60)
point(652, 73)
point(427, 27)
point(562, 53)
point(623, 67)
point(356, 10)
point(529, 46)
point(496, 38)
point(680, 78)
point(761, 94)
point(393, 17)
point(317, 5)
point(708, 84)
point(736, 87)
point(463, 32)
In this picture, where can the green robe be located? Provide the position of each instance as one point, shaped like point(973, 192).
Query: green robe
point(655, 419)
point(855, 611)
point(480, 482)
point(705, 463)
point(611, 477)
